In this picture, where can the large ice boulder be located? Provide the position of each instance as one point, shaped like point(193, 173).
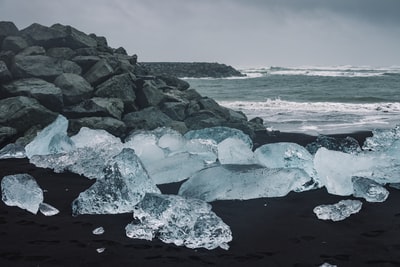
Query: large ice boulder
point(335, 169)
point(243, 182)
point(339, 211)
point(124, 184)
point(235, 151)
point(21, 190)
point(286, 155)
point(52, 139)
point(382, 139)
point(219, 134)
point(178, 220)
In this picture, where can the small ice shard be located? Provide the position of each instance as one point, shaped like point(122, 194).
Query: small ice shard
point(21, 190)
point(52, 139)
point(124, 184)
point(175, 168)
point(338, 211)
point(243, 182)
point(98, 231)
point(12, 151)
point(286, 155)
point(382, 139)
point(369, 189)
point(219, 134)
point(346, 145)
point(178, 220)
point(235, 151)
point(100, 250)
point(48, 210)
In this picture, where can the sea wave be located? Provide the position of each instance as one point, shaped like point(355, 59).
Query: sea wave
point(328, 71)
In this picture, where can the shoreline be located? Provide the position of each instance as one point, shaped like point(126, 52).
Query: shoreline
point(280, 231)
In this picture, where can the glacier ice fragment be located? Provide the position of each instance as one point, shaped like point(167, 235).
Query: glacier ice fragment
point(219, 134)
point(21, 190)
point(369, 189)
point(286, 155)
point(175, 168)
point(235, 151)
point(100, 250)
point(338, 211)
point(12, 151)
point(52, 139)
point(98, 231)
point(382, 139)
point(346, 145)
point(178, 220)
point(124, 184)
point(48, 210)
point(243, 182)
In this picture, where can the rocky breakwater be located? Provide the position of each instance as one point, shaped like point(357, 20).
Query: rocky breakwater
point(46, 71)
point(192, 69)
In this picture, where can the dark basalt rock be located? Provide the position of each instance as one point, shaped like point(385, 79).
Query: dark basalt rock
point(14, 43)
point(61, 53)
point(44, 36)
point(33, 51)
point(111, 125)
point(6, 133)
point(98, 73)
point(7, 28)
point(97, 106)
point(46, 93)
point(74, 88)
point(22, 113)
point(5, 74)
point(148, 94)
point(75, 38)
point(147, 119)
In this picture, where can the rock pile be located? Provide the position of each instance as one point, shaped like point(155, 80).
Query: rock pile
point(46, 71)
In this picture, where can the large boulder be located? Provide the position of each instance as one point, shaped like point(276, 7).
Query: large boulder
point(22, 113)
point(119, 86)
point(33, 51)
point(111, 125)
point(6, 133)
point(74, 88)
point(5, 74)
point(14, 43)
point(46, 93)
point(148, 119)
point(175, 110)
point(61, 53)
point(75, 38)
point(99, 72)
point(43, 67)
point(85, 62)
point(7, 28)
point(148, 94)
point(44, 36)
point(175, 82)
point(7, 57)
point(97, 106)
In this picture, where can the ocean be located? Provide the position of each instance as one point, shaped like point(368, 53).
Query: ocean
point(312, 100)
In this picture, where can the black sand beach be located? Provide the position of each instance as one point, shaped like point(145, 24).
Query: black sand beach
point(266, 232)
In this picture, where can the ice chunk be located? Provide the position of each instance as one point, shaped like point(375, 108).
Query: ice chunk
point(98, 231)
point(52, 139)
point(369, 189)
point(347, 145)
point(21, 190)
point(235, 151)
point(100, 250)
point(326, 264)
point(175, 168)
point(219, 134)
point(382, 139)
point(243, 182)
point(48, 210)
point(145, 145)
point(203, 148)
point(124, 184)
point(12, 151)
point(179, 220)
point(335, 169)
point(338, 211)
point(286, 155)
point(93, 148)
point(172, 141)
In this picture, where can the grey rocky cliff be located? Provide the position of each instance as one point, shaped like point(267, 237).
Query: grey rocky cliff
point(46, 71)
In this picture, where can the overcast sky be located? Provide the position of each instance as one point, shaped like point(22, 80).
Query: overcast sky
point(241, 33)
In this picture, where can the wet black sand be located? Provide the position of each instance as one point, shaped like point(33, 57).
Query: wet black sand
point(266, 232)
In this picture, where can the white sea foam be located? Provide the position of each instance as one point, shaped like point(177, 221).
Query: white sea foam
point(319, 117)
point(326, 71)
